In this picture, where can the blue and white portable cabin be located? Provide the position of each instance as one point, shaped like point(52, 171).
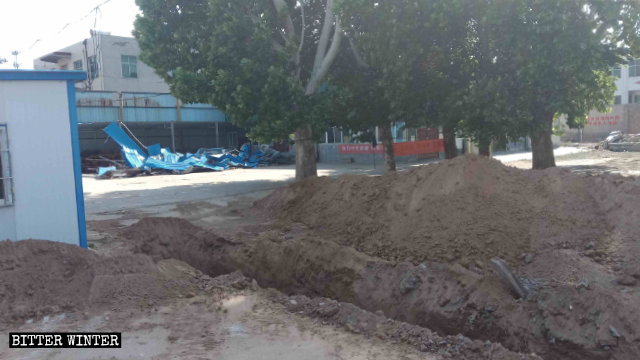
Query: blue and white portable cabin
point(40, 170)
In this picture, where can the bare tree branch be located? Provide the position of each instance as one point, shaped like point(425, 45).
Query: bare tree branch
point(323, 43)
point(328, 60)
point(303, 27)
point(299, 54)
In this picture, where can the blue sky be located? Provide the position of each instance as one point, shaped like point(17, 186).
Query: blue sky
point(22, 22)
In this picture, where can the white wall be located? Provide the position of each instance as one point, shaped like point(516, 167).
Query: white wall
point(109, 50)
point(625, 84)
point(38, 128)
point(113, 47)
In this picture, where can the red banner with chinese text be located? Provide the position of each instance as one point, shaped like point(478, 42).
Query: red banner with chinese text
point(603, 120)
point(359, 149)
point(401, 149)
point(418, 147)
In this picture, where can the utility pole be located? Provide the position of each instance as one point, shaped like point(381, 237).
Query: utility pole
point(15, 59)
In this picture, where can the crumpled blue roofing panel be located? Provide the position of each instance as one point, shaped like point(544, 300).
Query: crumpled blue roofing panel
point(161, 158)
point(131, 152)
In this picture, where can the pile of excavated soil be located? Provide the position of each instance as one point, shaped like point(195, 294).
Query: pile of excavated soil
point(42, 278)
point(557, 321)
point(415, 245)
point(313, 266)
point(466, 210)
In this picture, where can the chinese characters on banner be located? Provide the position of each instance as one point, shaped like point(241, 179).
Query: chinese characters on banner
point(603, 120)
point(400, 149)
point(359, 149)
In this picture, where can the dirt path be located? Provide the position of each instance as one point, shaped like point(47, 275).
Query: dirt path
point(245, 326)
point(595, 162)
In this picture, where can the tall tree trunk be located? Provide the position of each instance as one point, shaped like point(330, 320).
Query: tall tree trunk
point(450, 147)
point(484, 147)
point(387, 147)
point(306, 165)
point(541, 144)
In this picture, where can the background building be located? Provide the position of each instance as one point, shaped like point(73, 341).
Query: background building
point(623, 116)
point(121, 88)
point(40, 175)
point(112, 64)
point(627, 83)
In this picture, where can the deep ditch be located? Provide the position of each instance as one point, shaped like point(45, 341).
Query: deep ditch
point(447, 299)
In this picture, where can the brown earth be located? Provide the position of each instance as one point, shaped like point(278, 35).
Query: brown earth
point(558, 321)
point(416, 246)
point(467, 209)
point(43, 278)
point(401, 257)
point(40, 279)
point(315, 267)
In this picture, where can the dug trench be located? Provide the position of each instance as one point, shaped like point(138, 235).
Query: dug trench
point(416, 247)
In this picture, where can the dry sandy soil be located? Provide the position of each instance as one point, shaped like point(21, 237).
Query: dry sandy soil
point(355, 267)
point(595, 162)
point(165, 310)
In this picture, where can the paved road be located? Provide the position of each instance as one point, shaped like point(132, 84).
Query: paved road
point(561, 151)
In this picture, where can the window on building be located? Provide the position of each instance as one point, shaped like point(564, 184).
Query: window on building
point(129, 66)
point(6, 190)
point(64, 67)
point(616, 72)
point(634, 68)
point(617, 100)
point(77, 65)
point(92, 66)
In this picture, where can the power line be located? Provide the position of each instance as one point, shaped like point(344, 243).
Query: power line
point(95, 10)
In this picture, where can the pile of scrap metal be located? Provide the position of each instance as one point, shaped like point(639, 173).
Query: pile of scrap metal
point(91, 163)
point(273, 156)
point(617, 141)
point(162, 160)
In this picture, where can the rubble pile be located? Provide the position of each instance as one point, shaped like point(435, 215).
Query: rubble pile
point(617, 141)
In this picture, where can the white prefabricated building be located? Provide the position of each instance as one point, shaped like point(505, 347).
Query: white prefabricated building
point(40, 170)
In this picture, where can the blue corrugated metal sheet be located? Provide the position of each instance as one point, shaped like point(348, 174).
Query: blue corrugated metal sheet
point(193, 114)
point(99, 107)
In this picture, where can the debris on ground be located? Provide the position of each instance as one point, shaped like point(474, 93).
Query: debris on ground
point(91, 163)
point(617, 141)
point(158, 159)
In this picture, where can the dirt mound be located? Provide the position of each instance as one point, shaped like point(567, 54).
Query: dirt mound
point(377, 325)
point(563, 318)
point(468, 209)
point(314, 266)
point(41, 277)
point(173, 238)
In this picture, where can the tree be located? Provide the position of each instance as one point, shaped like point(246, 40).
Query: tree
point(265, 63)
point(553, 57)
point(401, 48)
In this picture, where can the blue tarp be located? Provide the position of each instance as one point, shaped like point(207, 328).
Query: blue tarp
point(104, 170)
point(161, 158)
